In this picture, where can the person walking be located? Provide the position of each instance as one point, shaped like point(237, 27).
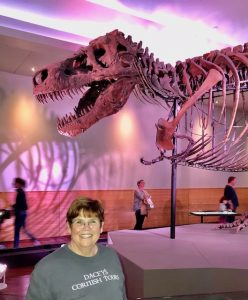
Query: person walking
point(20, 210)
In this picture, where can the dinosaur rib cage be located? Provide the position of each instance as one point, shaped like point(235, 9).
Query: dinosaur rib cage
point(209, 149)
point(209, 95)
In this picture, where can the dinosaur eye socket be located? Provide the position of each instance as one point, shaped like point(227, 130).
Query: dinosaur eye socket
point(120, 48)
point(99, 52)
point(79, 64)
point(40, 77)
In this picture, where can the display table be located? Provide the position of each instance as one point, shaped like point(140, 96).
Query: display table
point(203, 214)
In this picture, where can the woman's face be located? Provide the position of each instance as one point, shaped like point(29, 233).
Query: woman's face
point(142, 184)
point(85, 232)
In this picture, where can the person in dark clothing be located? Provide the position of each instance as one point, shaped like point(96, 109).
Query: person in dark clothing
point(230, 194)
point(20, 210)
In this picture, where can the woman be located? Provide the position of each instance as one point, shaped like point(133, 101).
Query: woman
point(20, 209)
point(140, 205)
point(82, 269)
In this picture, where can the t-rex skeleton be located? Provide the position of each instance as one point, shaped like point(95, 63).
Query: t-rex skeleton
point(113, 66)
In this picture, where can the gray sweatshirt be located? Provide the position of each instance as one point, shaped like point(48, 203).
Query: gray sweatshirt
point(64, 275)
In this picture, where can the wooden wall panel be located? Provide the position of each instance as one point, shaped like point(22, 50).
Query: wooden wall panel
point(47, 210)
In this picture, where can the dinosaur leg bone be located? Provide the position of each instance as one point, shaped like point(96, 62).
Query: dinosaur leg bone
point(166, 129)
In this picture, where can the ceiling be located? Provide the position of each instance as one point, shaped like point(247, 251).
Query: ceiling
point(34, 33)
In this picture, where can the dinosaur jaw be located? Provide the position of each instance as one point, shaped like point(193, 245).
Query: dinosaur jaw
point(102, 98)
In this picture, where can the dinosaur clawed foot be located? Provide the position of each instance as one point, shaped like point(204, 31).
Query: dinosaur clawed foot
point(242, 226)
point(220, 226)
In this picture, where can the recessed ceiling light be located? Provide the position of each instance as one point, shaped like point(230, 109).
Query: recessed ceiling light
point(33, 69)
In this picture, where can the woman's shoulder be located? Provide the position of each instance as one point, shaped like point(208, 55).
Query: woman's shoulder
point(107, 250)
point(52, 258)
point(109, 255)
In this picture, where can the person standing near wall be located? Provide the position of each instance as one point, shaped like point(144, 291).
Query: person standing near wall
point(230, 193)
point(140, 206)
point(20, 210)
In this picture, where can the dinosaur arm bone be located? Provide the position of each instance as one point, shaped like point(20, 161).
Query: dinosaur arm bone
point(212, 79)
point(209, 65)
point(166, 129)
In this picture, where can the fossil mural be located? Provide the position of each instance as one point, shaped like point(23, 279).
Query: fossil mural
point(203, 99)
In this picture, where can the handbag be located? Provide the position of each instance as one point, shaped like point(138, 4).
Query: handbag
point(150, 202)
point(143, 209)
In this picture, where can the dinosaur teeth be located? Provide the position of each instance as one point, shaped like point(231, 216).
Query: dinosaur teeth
point(51, 96)
point(82, 89)
point(39, 98)
point(58, 95)
point(67, 119)
point(45, 98)
point(42, 98)
point(69, 94)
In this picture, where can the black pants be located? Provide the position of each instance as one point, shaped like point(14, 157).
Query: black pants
point(231, 219)
point(139, 220)
point(20, 219)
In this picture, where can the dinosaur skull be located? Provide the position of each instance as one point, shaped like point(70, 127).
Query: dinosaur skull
point(105, 74)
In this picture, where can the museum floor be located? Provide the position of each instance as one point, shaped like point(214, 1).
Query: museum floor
point(191, 237)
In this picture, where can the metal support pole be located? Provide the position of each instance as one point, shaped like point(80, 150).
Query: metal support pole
point(173, 199)
point(173, 184)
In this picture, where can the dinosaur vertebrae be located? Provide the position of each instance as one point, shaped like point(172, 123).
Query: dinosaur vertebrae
point(186, 77)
